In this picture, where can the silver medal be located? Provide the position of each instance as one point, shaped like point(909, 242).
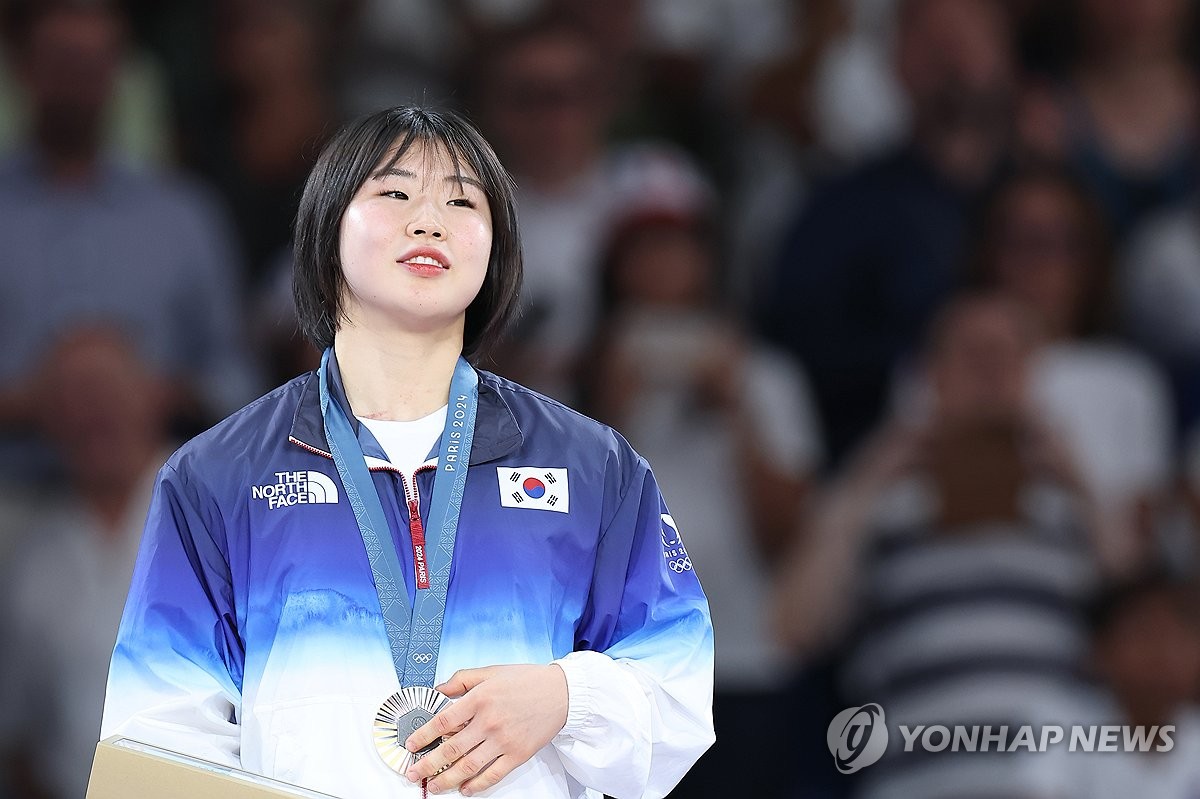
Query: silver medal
point(400, 715)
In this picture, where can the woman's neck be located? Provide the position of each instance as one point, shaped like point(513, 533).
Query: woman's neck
point(397, 376)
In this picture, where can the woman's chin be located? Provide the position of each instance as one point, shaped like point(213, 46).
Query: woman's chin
point(423, 318)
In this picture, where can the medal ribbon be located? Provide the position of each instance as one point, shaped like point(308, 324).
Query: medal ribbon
point(414, 634)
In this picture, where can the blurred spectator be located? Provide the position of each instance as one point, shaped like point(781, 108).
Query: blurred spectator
point(875, 253)
point(272, 112)
point(1185, 555)
point(1044, 243)
point(724, 39)
point(547, 111)
point(1159, 285)
point(777, 147)
point(653, 82)
point(858, 105)
point(1125, 116)
point(399, 51)
point(952, 558)
point(1146, 652)
point(137, 127)
point(731, 431)
point(84, 237)
point(675, 64)
point(830, 101)
point(836, 86)
point(64, 589)
point(1047, 35)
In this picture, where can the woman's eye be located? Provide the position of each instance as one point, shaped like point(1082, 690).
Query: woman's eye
point(462, 203)
point(398, 195)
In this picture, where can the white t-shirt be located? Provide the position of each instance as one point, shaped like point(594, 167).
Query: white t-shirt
point(695, 459)
point(1113, 409)
point(408, 444)
point(1110, 405)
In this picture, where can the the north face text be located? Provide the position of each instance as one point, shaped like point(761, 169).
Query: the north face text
point(296, 488)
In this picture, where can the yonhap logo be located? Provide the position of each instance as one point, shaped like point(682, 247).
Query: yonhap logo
point(857, 737)
point(297, 488)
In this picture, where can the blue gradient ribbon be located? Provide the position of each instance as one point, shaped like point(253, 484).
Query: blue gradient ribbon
point(414, 634)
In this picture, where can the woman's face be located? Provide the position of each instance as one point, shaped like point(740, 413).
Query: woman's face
point(979, 365)
point(1041, 253)
point(663, 266)
point(415, 244)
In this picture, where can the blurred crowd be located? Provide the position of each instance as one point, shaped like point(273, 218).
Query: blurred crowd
point(901, 299)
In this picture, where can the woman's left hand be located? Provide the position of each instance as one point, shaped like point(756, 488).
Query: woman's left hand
point(506, 714)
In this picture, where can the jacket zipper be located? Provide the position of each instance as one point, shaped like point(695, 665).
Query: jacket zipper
point(416, 529)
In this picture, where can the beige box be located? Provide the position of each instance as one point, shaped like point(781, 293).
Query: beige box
point(128, 769)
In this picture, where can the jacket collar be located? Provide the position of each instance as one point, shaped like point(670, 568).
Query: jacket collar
point(496, 430)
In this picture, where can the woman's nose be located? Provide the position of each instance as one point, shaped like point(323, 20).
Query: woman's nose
point(426, 223)
point(426, 229)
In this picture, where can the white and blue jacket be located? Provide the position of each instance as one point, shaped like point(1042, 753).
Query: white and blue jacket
point(253, 636)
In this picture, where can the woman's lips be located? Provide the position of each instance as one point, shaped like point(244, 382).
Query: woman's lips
point(425, 259)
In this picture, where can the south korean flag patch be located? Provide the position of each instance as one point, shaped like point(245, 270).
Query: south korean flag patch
point(534, 487)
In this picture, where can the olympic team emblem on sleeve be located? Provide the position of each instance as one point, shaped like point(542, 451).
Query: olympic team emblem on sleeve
point(673, 550)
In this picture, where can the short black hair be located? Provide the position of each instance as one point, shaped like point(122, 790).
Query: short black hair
point(355, 153)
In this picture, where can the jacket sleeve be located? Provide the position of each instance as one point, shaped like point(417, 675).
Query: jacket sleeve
point(175, 677)
point(640, 681)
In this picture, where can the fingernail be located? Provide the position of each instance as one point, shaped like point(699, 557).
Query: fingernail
point(433, 788)
point(466, 791)
point(412, 776)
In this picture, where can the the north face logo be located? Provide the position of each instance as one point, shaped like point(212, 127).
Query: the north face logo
point(297, 488)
